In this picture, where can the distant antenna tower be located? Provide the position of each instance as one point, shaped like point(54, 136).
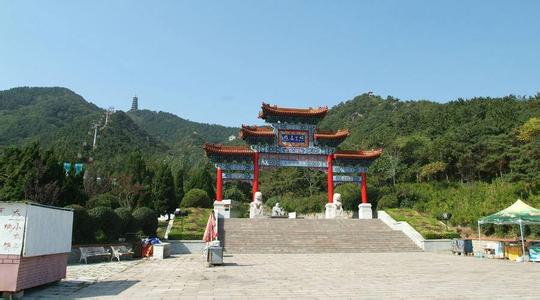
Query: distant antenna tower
point(135, 103)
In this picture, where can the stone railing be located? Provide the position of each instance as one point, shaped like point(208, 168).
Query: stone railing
point(430, 245)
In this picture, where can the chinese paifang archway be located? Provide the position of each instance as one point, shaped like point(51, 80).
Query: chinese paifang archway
point(291, 139)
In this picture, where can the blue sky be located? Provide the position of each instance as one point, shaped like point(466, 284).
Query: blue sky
point(216, 61)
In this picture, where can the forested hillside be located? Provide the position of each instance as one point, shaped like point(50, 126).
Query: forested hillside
point(185, 137)
point(28, 114)
point(462, 140)
point(467, 157)
point(60, 119)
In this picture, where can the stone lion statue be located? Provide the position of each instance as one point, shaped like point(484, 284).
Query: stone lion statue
point(277, 211)
point(338, 207)
point(335, 209)
point(256, 208)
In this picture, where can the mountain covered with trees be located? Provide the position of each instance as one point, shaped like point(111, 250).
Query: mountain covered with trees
point(60, 119)
point(467, 157)
point(463, 140)
point(184, 137)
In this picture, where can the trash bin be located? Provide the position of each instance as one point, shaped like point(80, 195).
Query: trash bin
point(215, 255)
point(513, 250)
point(462, 247)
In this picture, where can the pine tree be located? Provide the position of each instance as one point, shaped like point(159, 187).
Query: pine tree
point(163, 191)
point(179, 187)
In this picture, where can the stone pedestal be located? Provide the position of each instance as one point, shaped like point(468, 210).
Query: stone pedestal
point(330, 211)
point(224, 209)
point(161, 251)
point(364, 211)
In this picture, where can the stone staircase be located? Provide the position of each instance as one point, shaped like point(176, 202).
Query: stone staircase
point(311, 236)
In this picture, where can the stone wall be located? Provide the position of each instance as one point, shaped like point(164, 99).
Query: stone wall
point(187, 246)
point(439, 245)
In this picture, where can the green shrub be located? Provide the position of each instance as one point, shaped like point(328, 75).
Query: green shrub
point(440, 235)
point(145, 219)
point(235, 194)
point(272, 201)
point(106, 200)
point(427, 226)
point(303, 205)
point(350, 195)
point(83, 226)
point(125, 218)
point(107, 221)
point(388, 201)
point(196, 198)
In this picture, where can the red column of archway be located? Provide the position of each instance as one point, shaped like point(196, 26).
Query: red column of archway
point(364, 188)
point(330, 178)
point(255, 174)
point(219, 184)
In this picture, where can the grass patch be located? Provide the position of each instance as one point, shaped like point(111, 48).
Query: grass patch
point(427, 226)
point(190, 225)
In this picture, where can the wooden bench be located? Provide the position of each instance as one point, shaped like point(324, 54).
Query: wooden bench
point(87, 252)
point(118, 251)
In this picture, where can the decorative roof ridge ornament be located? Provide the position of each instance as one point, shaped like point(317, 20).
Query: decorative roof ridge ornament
point(219, 149)
point(256, 131)
point(340, 134)
point(268, 110)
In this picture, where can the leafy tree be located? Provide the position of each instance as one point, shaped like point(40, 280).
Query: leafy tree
point(128, 192)
point(201, 178)
point(431, 169)
point(527, 131)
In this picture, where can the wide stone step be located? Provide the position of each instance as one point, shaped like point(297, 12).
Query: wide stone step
point(311, 236)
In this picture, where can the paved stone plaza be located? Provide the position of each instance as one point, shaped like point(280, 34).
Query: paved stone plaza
point(359, 275)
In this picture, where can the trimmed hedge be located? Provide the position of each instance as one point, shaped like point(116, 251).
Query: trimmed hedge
point(145, 219)
point(106, 200)
point(83, 226)
point(107, 221)
point(196, 198)
point(234, 194)
point(125, 218)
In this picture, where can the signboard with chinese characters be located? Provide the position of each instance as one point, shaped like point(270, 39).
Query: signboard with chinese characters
point(12, 224)
point(292, 160)
point(347, 178)
point(293, 138)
